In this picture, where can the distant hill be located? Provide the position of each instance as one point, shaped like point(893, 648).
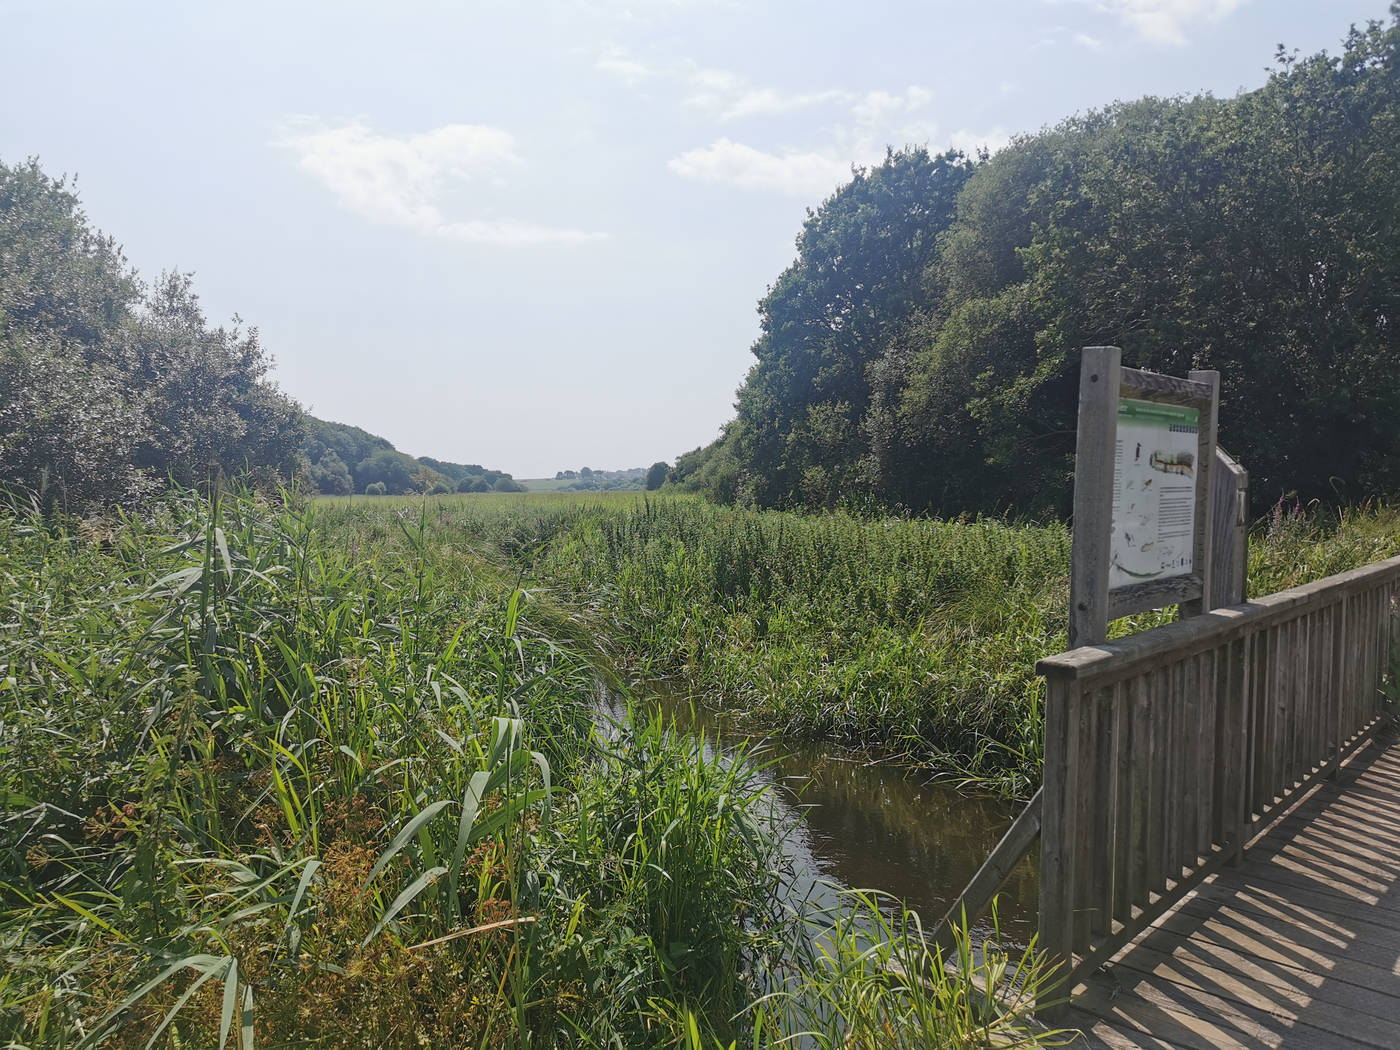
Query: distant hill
point(342, 459)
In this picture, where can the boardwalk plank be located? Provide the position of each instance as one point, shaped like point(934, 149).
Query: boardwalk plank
point(1299, 947)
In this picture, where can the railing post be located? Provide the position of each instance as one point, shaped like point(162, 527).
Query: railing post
point(1058, 839)
point(1099, 378)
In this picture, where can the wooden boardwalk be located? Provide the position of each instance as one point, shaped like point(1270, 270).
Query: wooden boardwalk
point(1298, 947)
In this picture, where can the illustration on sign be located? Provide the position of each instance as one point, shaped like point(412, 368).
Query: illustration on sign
point(1154, 492)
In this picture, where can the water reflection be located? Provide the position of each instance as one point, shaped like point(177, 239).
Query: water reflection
point(872, 824)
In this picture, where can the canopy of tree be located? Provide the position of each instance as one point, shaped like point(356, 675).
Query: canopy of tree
point(923, 349)
point(342, 459)
point(109, 386)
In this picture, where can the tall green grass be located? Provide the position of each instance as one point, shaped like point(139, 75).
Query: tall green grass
point(916, 637)
point(287, 779)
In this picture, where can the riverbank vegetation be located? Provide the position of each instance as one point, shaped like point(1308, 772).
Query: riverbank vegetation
point(913, 637)
point(276, 779)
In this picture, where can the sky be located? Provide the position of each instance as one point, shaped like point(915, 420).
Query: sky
point(533, 235)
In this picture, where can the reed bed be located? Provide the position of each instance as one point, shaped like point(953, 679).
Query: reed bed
point(917, 638)
point(285, 778)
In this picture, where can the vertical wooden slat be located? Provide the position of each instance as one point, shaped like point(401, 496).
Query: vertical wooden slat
point(1173, 754)
point(1188, 744)
point(1273, 689)
point(1298, 702)
point(1104, 822)
point(1157, 721)
point(1206, 752)
point(1124, 806)
point(1242, 686)
point(1140, 880)
point(1059, 832)
point(1255, 731)
point(1087, 790)
point(1226, 761)
point(1348, 672)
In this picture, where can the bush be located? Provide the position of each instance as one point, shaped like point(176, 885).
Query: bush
point(376, 488)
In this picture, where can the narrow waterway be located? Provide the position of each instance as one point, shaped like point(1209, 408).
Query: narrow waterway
point(860, 822)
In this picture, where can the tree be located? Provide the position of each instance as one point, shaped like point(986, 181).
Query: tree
point(109, 388)
point(923, 348)
point(857, 284)
point(391, 469)
point(656, 475)
point(331, 476)
point(376, 488)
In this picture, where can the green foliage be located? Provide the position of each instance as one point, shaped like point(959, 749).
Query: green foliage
point(656, 475)
point(331, 476)
point(366, 459)
point(875, 983)
point(376, 488)
point(855, 288)
point(108, 387)
point(923, 349)
point(265, 784)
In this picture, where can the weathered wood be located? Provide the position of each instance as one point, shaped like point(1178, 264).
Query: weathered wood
point(1229, 531)
point(1122, 805)
point(1173, 747)
point(1093, 494)
point(1015, 843)
point(1135, 382)
point(1153, 594)
point(1121, 658)
point(1203, 556)
point(1099, 903)
point(1056, 842)
point(1295, 948)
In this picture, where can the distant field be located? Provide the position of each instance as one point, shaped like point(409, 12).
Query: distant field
point(544, 484)
point(534, 499)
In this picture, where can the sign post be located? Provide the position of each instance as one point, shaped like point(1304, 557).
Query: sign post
point(1142, 493)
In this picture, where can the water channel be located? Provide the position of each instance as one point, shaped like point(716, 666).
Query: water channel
point(865, 823)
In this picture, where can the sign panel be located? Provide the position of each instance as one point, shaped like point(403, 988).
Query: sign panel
point(1154, 492)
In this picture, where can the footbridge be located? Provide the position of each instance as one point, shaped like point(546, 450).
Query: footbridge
point(1219, 827)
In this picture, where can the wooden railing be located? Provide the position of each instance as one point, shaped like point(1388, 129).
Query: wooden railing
point(1167, 750)
point(1164, 750)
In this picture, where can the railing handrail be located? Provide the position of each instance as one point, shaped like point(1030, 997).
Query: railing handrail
point(1125, 656)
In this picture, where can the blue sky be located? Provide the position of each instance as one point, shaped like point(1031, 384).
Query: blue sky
point(533, 235)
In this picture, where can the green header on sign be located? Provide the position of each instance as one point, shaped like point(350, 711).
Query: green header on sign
point(1156, 414)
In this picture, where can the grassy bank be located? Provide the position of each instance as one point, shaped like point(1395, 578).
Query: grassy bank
point(329, 779)
point(918, 637)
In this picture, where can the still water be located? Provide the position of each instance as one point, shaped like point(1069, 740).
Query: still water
point(864, 823)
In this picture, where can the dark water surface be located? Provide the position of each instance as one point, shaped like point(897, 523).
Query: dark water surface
point(866, 823)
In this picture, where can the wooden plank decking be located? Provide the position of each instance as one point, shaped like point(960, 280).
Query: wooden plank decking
point(1299, 947)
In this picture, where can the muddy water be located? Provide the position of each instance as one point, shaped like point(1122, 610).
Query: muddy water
point(859, 822)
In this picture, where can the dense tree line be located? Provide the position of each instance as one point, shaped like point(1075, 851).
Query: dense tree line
point(342, 459)
point(923, 348)
point(109, 386)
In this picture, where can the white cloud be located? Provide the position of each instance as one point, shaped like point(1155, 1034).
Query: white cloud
point(1093, 43)
point(1164, 21)
point(718, 92)
point(631, 72)
point(799, 174)
point(862, 125)
point(398, 181)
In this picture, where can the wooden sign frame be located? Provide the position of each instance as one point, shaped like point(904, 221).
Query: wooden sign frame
point(1103, 382)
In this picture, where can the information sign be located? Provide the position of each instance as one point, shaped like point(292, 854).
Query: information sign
point(1154, 492)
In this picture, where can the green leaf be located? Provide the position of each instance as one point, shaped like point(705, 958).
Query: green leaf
point(405, 898)
point(405, 834)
